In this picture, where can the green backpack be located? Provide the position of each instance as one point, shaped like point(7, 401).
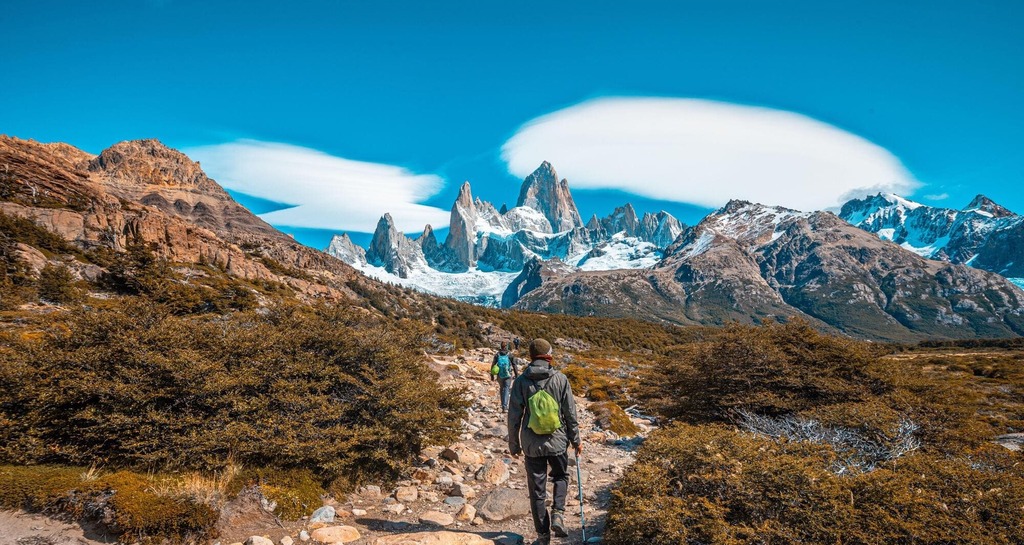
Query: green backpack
point(543, 413)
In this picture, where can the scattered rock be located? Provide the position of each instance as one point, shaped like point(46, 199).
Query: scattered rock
point(502, 504)
point(324, 514)
point(436, 518)
point(431, 497)
point(463, 490)
point(303, 536)
point(455, 501)
point(494, 472)
point(287, 540)
point(462, 454)
point(433, 538)
point(466, 514)
point(335, 534)
point(395, 508)
point(371, 491)
point(406, 494)
point(359, 512)
point(258, 540)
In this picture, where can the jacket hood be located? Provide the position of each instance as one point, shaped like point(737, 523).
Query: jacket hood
point(538, 370)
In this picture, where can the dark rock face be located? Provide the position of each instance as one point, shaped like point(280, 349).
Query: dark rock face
point(747, 262)
point(624, 220)
point(543, 191)
point(981, 235)
point(394, 251)
point(534, 273)
point(660, 229)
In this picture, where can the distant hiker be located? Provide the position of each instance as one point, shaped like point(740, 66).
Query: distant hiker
point(504, 370)
point(515, 341)
point(542, 424)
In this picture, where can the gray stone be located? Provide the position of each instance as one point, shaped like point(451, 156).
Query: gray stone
point(436, 518)
point(324, 514)
point(502, 504)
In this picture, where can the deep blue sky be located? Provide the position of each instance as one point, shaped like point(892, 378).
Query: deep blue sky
point(437, 87)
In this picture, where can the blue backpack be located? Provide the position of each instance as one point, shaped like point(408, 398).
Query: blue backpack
point(503, 366)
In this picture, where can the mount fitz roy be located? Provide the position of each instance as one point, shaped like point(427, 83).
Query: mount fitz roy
point(486, 247)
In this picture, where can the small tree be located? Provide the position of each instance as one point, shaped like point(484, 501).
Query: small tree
point(57, 285)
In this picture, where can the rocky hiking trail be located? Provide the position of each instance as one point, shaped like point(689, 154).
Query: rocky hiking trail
point(472, 492)
point(469, 493)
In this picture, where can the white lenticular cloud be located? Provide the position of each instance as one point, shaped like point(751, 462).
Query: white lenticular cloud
point(705, 152)
point(326, 192)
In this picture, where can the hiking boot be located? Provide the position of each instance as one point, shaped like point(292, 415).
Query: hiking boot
point(543, 539)
point(558, 524)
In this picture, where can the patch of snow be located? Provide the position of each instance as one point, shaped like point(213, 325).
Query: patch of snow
point(622, 253)
point(886, 234)
point(526, 218)
point(700, 245)
point(474, 285)
point(925, 249)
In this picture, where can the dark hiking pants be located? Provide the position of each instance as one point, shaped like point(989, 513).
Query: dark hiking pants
point(505, 391)
point(537, 481)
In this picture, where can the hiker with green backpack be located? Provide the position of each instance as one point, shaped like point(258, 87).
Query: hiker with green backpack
point(542, 423)
point(504, 370)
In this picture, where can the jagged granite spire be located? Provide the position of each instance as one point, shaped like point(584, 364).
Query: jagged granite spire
point(660, 229)
point(393, 250)
point(543, 192)
point(461, 239)
point(343, 248)
point(624, 220)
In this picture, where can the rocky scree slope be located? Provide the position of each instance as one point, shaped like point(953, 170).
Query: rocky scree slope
point(144, 191)
point(746, 262)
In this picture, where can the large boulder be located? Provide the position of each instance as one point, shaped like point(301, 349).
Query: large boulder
point(335, 534)
point(436, 538)
point(502, 504)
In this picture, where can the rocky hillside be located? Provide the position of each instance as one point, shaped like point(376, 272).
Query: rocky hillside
point(144, 191)
point(486, 246)
point(983, 235)
point(746, 262)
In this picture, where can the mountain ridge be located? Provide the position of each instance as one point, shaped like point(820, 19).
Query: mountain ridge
point(983, 234)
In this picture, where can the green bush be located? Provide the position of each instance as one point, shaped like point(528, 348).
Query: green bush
point(325, 389)
point(57, 285)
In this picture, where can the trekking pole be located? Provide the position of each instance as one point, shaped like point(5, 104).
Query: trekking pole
point(579, 484)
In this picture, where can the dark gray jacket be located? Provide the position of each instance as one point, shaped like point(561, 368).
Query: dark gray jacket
point(521, 438)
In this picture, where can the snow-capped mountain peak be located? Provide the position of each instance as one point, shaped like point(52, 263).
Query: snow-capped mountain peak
point(483, 240)
point(983, 234)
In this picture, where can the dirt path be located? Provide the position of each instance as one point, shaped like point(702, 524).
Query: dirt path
point(18, 528)
point(484, 437)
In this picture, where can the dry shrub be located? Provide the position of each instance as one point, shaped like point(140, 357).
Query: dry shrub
point(610, 416)
point(713, 484)
point(124, 502)
point(321, 388)
point(774, 369)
